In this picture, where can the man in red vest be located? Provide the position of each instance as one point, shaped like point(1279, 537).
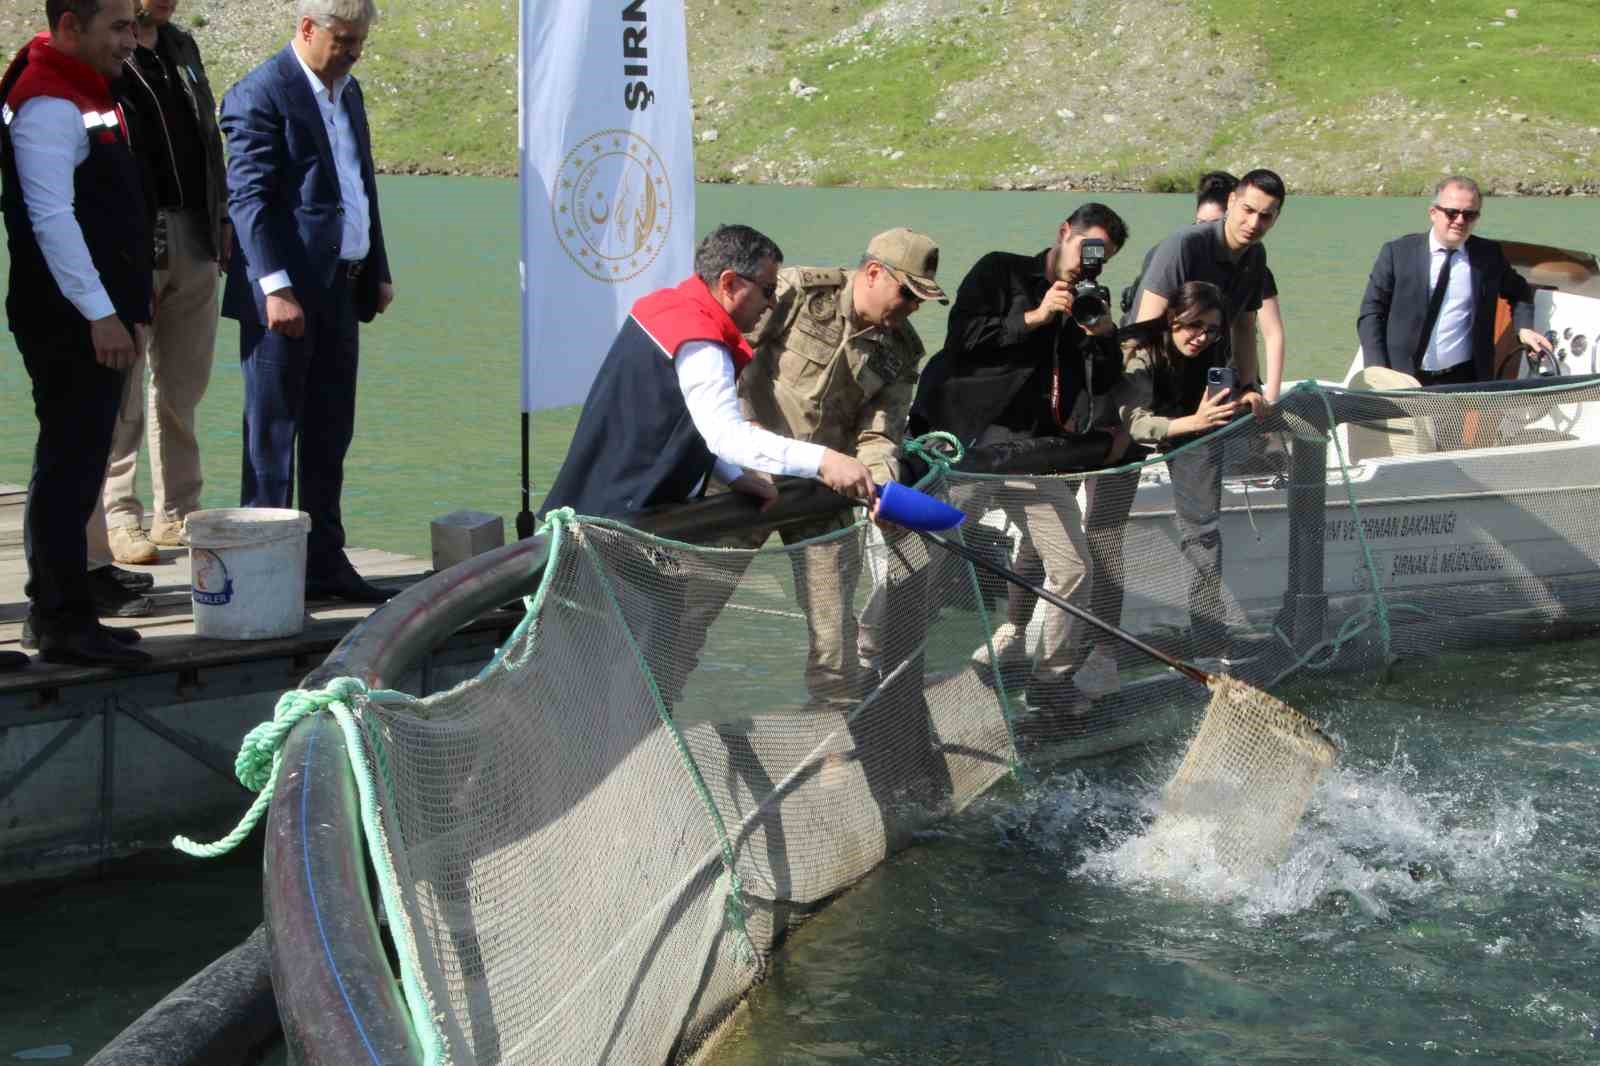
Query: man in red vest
point(78, 301)
point(663, 415)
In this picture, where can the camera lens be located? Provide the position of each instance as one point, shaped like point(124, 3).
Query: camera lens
point(1088, 309)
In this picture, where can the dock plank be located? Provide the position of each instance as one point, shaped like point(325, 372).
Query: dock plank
point(169, 632)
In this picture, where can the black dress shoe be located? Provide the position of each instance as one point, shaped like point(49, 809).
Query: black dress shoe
point(112, 600)
point(121, 636)
point(88, 646)
point(128, 579)
point(12, 661)
point(344, 585)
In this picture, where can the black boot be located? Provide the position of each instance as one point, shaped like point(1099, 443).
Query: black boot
point(83, 642)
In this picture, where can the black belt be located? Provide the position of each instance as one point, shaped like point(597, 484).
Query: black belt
point(352, 268)
point(1458, 374)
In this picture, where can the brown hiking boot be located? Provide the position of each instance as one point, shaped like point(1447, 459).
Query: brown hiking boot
point(130, 545)
point(167, 534)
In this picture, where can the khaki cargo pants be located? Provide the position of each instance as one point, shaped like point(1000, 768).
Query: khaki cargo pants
point(182, 345)
point(1046, 513)
point(825, 578)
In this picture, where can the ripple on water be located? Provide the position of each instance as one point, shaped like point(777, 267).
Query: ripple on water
point(1437, 900)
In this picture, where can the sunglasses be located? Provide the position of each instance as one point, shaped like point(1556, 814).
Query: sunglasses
point(769, 291)
point(1453, 213)
point(906, 291)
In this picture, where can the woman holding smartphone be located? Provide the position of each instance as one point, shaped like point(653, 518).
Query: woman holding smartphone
point(1164, 404)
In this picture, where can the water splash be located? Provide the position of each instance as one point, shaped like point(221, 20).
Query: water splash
point(1375, 836)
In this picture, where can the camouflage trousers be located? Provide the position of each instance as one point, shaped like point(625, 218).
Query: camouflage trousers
point(825, 579)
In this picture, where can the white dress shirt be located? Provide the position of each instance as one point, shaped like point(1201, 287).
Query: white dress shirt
point(50, 141)
point(705, 377)
point(356, 240)
point(1451, 343)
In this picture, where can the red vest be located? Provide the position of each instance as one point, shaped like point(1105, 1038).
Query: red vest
point(51, 72)
point(108, 202)
point(688, 312)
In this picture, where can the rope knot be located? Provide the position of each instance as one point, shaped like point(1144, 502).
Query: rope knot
point(256, 766)
point(561, 516)
point(938, 449)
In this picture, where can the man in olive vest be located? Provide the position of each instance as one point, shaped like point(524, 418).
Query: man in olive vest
point(836, 363)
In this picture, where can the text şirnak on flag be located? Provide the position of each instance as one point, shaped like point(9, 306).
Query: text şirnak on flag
point(607, 163)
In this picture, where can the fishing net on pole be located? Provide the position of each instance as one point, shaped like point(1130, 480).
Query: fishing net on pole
point(590, 850)
point(1245, 779)
point(1346, 531)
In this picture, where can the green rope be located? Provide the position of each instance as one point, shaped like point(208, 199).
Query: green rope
point(1019, 769)
point(1380, 606)
point(1323, 654)
point(939, 459)
point(735, 907)
point(257, 766)
point(554, 522)
point(261, 754)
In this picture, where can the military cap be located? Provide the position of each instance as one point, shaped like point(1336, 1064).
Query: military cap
point(912, 257)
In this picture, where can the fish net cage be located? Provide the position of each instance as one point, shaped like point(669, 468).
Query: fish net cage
point(591, 850)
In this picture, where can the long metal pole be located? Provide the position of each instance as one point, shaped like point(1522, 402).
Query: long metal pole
point(1194, 673)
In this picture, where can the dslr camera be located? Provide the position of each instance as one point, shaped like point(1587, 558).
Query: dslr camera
point(1091, 300)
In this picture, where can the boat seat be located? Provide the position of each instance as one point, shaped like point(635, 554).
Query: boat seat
point(1392, 436)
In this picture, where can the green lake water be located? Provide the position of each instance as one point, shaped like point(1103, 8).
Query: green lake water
point(437, 426)
point(1022, 932)
point(1438, 904)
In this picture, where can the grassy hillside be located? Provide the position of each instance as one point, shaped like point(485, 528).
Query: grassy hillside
point(1352, 96)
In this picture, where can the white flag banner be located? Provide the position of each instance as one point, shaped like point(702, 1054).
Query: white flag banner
point(607, 154)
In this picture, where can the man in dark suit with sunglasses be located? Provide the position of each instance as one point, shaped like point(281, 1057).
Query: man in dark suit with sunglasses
point(1429, 306)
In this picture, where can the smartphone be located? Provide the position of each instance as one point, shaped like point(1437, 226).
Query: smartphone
point(1222, 377)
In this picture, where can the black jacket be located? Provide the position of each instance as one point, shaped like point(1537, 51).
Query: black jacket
point(179, 51)
point(993, 369)
point(1396, 303)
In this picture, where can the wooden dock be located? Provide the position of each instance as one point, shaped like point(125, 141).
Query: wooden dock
point(72, 794)
point(169, 632)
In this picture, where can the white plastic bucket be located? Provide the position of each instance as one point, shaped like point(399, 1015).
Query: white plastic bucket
point(248, 572)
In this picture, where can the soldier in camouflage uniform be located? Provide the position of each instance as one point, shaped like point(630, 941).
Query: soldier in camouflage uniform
point(836, 363)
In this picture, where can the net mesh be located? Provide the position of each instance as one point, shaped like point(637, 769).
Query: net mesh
point(684, 749)
point(1245, 779)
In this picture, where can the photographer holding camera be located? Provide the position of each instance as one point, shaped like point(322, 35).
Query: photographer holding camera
point(1026, 336)
point(1016, 351)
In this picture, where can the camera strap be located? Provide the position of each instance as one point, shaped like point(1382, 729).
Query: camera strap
point(1055, 389)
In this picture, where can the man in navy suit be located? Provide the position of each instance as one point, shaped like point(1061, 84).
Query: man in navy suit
point(1429, 306)
point(308, 267)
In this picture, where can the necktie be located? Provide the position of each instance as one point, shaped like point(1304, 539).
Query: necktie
point(1435, 301)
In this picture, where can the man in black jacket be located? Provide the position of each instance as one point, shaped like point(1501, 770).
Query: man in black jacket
point(1016, 365)
point(1429, 305)
point(168, 102)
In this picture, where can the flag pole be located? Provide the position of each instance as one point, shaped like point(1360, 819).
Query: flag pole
point(524, 516)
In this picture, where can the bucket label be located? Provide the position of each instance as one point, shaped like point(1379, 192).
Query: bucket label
point(211, 583)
